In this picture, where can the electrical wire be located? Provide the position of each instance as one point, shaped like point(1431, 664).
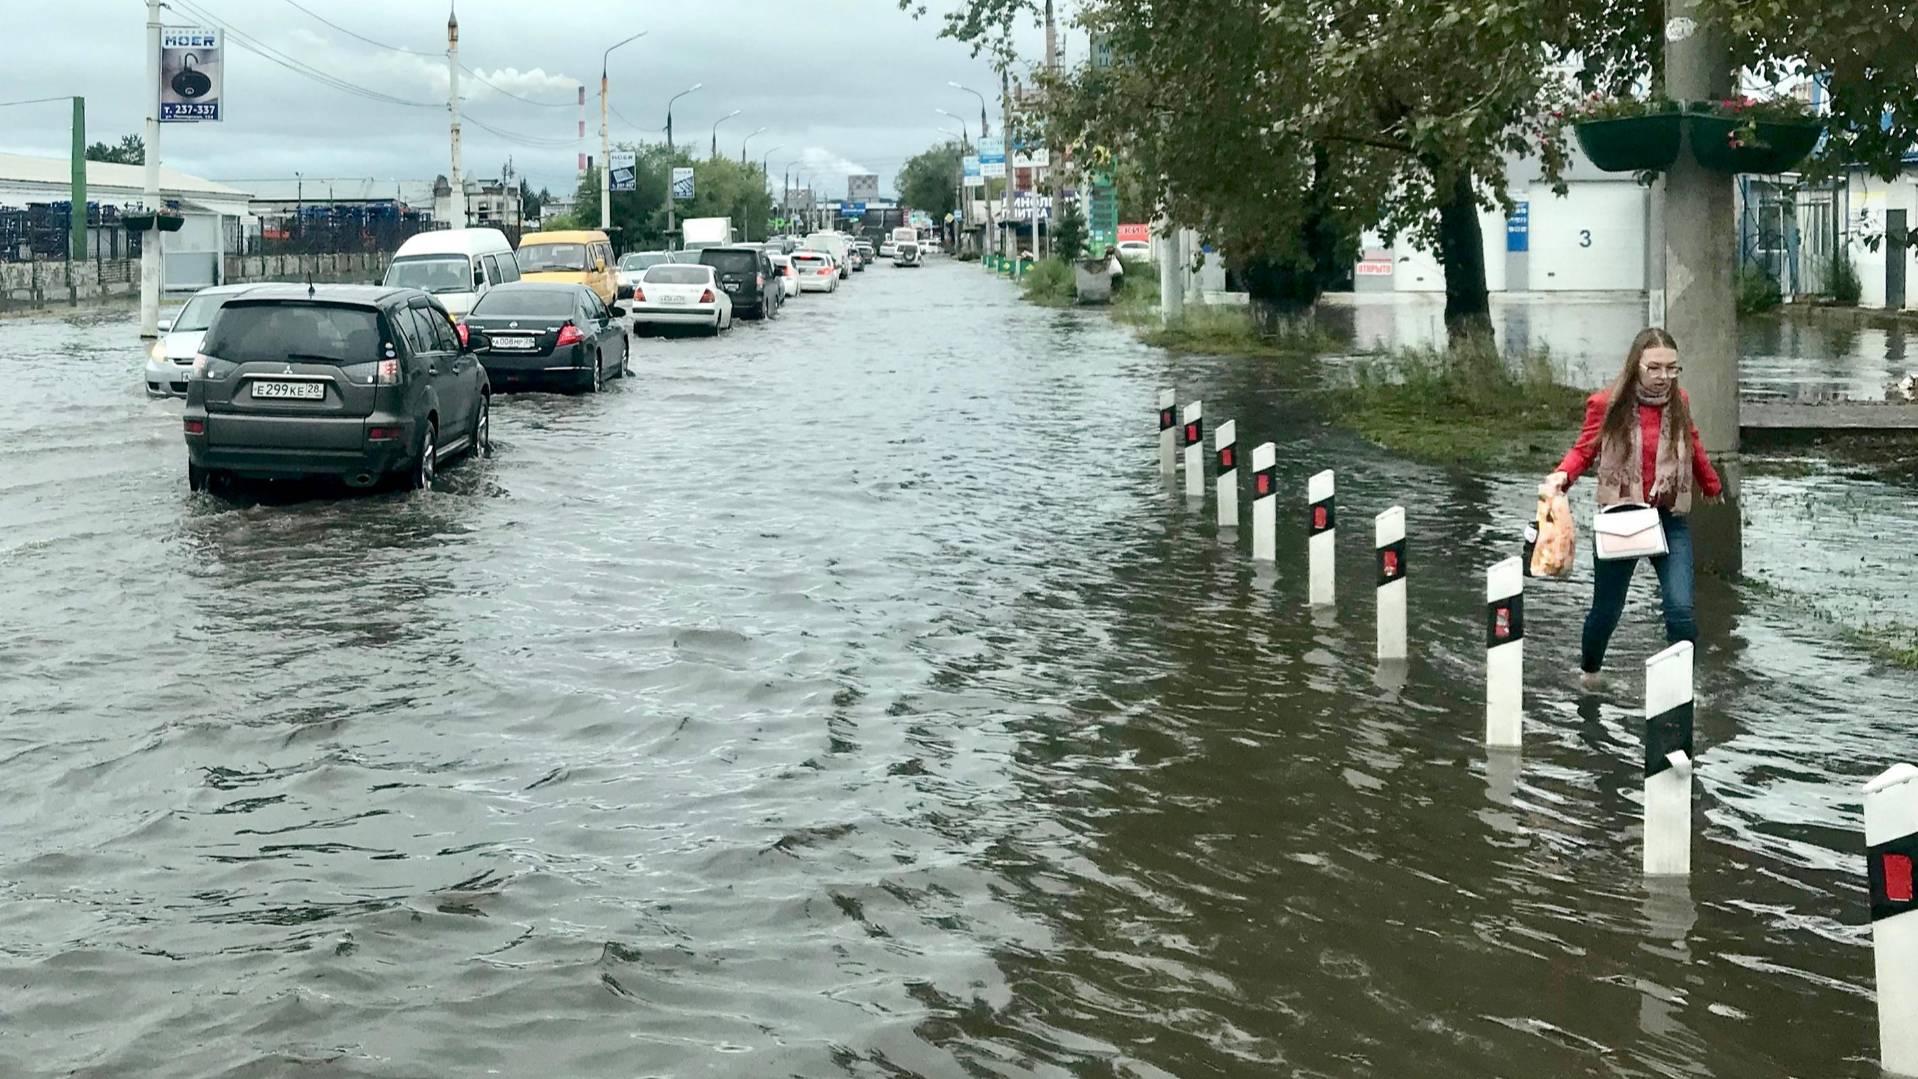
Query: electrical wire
point(267, 52)
point(37, 100)
point(429, 55)
point(537, 142)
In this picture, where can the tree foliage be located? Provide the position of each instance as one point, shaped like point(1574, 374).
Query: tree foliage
point(929, 180)
point(722, 187)
point(130, 150)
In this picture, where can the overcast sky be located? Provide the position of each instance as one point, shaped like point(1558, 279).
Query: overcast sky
point(841, 85)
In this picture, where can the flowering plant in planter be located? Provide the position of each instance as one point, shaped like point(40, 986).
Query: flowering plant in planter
point(1627, 134)
point(1753, 135)
point(1782, 109)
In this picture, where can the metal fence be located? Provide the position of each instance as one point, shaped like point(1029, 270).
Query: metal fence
point(42, 233)
point(326, 230)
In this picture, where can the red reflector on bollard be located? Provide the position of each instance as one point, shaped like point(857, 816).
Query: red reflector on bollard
point(1263, 484)
point(1503, 628)
point(1226, 462)
point(1191, 434)
point(1898, 878)
point(1391, 563)
point(1318, 516)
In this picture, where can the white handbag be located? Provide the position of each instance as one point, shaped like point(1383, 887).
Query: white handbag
point(1628, 530)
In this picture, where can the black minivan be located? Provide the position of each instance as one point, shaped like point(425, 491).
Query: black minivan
point(746, 275)
point(354, 382)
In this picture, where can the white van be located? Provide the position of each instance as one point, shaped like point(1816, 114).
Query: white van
point(836, 244)
point(456, 265)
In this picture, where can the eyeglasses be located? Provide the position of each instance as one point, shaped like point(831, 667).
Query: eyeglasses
point(1661, 370)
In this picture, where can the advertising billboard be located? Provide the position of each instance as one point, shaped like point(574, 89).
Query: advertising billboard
point(623, 176)
point(191, 72)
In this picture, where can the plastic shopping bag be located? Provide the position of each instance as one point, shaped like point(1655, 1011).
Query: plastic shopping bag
point(1557, 537)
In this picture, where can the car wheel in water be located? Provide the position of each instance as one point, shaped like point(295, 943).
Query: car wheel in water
point(428, 465)
point(197, 479)
point(599, 373)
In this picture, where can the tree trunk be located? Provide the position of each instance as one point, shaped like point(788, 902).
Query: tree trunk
point(1283, 292)
point(1461, 251)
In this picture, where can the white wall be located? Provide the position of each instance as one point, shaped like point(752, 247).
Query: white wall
point(1591, 240)
point(1870, 198)
point(1415, 269)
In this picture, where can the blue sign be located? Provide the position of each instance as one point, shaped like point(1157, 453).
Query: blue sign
point(1518, 228)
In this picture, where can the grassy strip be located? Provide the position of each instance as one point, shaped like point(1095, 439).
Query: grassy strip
point(1232, 331)
point(1050, 283)
point(1890, 642)
point(1465, 405)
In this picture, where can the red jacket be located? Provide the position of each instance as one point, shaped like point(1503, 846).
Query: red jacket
point(1584, 453)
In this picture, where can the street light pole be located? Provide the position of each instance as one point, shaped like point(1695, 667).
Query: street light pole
point(985, 132)
point(669, 112)
point(716, 124)
point(150, 197)
point(766, 183)
point(964, 144)
point(744, 141)
point(605, 141)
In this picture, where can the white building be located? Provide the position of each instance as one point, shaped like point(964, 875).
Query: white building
point(193, 255)
point(1877, 225)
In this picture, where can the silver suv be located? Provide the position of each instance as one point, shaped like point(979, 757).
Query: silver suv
point(352, 382)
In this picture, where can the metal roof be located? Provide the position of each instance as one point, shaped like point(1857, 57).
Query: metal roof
point(416, 193)
point(115, 181)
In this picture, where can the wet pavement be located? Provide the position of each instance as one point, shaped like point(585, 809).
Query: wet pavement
point(848, 696)
point(1781, 356)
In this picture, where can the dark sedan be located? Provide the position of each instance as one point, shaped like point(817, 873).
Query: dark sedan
point(549, 334)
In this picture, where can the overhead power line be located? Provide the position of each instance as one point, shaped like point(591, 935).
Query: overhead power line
point(268, 52)
point(38, 100)
point(428, 55)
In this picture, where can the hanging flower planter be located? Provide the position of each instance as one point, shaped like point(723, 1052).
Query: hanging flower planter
point(137, 222)
point(1627, 134)
point(167, 221)
point(1751, 136)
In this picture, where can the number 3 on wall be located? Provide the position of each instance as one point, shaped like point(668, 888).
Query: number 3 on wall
point(1584, 237)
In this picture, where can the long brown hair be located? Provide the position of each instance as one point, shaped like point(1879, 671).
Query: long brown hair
point(1622, 412)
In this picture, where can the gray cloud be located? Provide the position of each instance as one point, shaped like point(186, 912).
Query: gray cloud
point(841, 85)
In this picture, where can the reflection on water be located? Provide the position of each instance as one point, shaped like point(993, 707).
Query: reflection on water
point(857, 709)
point(1797, 359)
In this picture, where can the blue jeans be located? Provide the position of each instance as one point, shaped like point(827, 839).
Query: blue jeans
point(1611, 580)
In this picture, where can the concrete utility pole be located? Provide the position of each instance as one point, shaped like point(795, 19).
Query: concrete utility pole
point(77, 229)
point(1699, 248)
point(456, 207)
point(150, 241)
point(1052, 41)
point(605, 142)
point(1006, 243)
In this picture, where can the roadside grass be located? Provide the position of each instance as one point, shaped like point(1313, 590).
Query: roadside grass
point(1232, 331)
point(1463, 405)
point(1888, 641)
point(1050, 284)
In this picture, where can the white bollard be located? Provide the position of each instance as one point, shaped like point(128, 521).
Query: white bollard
point(1195, 450)
point(1668, 762)
point(1388, 535)
point(1225, 442)
point(1265, 502)
point(1505, 654)
point(1891, 847)
point(1321, 527)
point(1168, 420)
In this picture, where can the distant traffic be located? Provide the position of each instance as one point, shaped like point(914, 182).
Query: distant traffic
point(378, 385)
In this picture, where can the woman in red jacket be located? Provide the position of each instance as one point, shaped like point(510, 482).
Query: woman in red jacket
point(1641, 437)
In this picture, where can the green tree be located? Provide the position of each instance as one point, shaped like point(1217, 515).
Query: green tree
point(131, 150)
point(722, 187)
point(531, 202)
point(1069, 233)
point(929, 181)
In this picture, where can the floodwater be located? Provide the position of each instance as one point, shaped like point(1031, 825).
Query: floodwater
point(848, 696)
point(1780, 357)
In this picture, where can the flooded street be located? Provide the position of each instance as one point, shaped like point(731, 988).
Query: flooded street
point(849, 696)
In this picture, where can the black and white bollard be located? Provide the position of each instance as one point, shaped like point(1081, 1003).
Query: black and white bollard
point(1388, 535)
point(1322, 524)
point(1505, 654)
point(1225, 443)
point(1195, 450)
point(1265, 502)
point(1668, 762)
point(1168, 424)
point(1891, 848)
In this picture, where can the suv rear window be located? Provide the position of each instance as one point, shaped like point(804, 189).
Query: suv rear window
point(741, 262)
point(541, 303)
point(279, 331)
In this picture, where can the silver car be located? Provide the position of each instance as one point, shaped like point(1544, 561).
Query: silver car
point(171, 358)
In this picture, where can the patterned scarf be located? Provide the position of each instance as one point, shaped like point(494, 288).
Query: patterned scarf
point(1621, 474)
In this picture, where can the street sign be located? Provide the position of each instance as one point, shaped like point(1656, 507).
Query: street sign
point(992, 158)
point(1030, 207)
point(191, 72)
point(1101, 50)
point(1135, 233)
point(1102, 211)
point(1518, 228)
point(623, 176)
point(682, 183)
point(970, 167)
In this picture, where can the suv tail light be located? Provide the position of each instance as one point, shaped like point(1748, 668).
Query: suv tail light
point(707, 297)
point(759, 280)
point(196, 427)
point(825, 271)
point(388, 374)
point(569, 335)
point(382, 434)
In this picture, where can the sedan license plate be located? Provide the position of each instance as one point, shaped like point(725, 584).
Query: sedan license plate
point(514, 344)
point(298, 391)
point(672, 299)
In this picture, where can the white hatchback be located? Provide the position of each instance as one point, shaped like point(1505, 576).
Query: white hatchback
point(817, 271)
point(171, 358)
point(681, 294)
